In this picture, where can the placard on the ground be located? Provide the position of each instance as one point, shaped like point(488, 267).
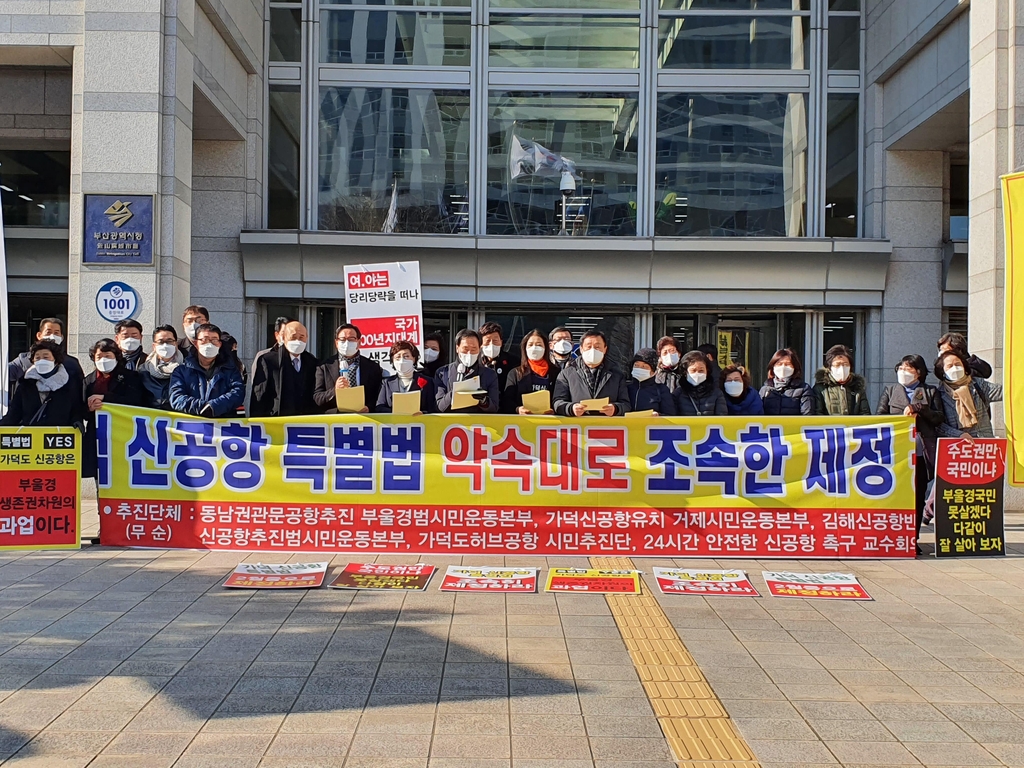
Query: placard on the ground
point(277, 576)
point(459, 578)
point(593, 581)
point(709, 583)
point(828, 586)
point(374, 576)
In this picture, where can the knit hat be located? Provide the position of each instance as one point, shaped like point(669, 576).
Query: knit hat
point(647, 356)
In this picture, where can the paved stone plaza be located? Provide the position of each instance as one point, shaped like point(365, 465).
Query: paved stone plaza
point(140, 658)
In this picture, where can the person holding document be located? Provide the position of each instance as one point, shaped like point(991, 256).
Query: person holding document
point(535, 374)
point(466, 386)
point(405, 359)
point(589, 385)
point(646, 393)
point(347, 369)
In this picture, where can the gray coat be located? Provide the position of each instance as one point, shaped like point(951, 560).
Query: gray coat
point(984, 393)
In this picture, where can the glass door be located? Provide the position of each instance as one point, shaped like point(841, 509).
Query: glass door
point(749, 341)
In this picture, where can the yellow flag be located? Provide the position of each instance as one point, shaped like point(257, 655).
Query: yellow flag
point(1013, 355)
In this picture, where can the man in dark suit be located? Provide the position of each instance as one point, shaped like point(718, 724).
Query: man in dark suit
point(468, 366)
point(285, 377)
point(347, 369)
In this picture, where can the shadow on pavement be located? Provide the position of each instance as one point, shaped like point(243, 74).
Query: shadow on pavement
point(161, 650)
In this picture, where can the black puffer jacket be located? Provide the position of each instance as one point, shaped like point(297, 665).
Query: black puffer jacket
point(703, 400)
point(794, 398)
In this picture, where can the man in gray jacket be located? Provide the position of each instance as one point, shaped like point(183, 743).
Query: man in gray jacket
point(591, 377)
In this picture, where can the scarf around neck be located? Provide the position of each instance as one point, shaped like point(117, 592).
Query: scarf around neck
point(49, 383)
point(963, 398)
point(162, 369)
point(539, 367)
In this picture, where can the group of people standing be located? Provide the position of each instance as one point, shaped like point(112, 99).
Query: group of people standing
point(200, 374)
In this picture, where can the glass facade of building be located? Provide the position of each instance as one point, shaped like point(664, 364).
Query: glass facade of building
point(600, 118)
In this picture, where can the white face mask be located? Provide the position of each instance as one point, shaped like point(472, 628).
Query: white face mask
point(430, 354)
point(208, 350)
point(696, 379)
point(190, 329)
point(129, 344)
point(44, 366)
point(106, 364)
point(840, 372)
point(641, 374)
point(670, 359)
point(468, 359)
point(295, 346)
point(165, 351)
point(58, 340)
point(348, 348)
point(955, 373)
point(535, 352)
point(491, 350)
point(562, 347)
point(733, 388)
point(906, 378)
point(403, 365)
point(592, 356)
point(783, 372)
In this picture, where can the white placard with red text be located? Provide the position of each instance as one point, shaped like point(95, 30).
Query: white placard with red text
point(386, 302)
point(709, 583)
point(460, 578)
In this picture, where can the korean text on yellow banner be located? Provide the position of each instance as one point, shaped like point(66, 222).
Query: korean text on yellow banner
point(1013, 342)
point(505, 485)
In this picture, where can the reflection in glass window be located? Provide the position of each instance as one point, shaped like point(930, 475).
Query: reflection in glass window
point(285, 34)
point(400, 3)
point(736, 5)
point(394, 160)
point(844, 42)
point(733, 42)
point(284, 134)
point(841, 166)
point(618, 328)
point(731, 164)
point(540, 143)
point(570, 5)
point(395, 37)
point(609, 42)
point(35, 187)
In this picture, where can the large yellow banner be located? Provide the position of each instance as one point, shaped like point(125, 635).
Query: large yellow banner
point(506, 484)
point(1013, 355)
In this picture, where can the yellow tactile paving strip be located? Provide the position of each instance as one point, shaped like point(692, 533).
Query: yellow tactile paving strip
point(692, 718)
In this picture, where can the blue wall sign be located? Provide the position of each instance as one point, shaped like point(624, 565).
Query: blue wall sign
point(117, 301)
point(118, 229)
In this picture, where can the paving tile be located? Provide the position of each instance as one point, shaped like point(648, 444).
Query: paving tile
point(470, 723)
point(951, 753)
point(930, 730)
point(771, 751)
point(466, 747)
point(630, 748)
point(789, 730)
point(850, 730)
point(142, 743)
point(396, 745)
point(230, 744)
point(549, 747)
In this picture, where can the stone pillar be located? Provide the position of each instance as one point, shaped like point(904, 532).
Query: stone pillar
point(997, 148)
point(132, 134)
point(913, 219)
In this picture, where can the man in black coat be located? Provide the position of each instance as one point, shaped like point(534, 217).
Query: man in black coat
point(467, 345)
point(285, 378)
point(591, 377)
point(50, 329)
point(347, 369)
point(492, 356)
